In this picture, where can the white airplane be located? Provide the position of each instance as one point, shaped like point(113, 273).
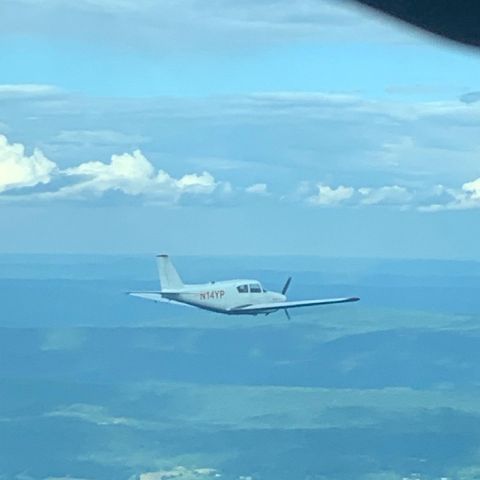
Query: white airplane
point(232, 297)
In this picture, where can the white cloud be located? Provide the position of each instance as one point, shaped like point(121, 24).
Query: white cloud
point(328, 196)
point(133, 174)
point(258, 189)
point(388, 195)
point(472, 189)
point(182, 473)
point(130, 173)
point(26, 90)
point(428, 199)
point(465, 198)
point(204, 183)
point(18, 170)
point(93, 414)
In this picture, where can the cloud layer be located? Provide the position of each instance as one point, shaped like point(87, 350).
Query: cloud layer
point(354, 151)
point(133, 175)
point(285, 136)
point(154, 27)
point(130, 174)
point(427, 199)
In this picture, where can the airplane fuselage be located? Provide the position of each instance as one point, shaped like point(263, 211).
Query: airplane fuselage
point(224, 296)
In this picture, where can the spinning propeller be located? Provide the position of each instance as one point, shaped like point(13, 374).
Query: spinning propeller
point(284, 291)
point(287, 284)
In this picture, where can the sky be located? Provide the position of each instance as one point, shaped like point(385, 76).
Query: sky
point(234, 127)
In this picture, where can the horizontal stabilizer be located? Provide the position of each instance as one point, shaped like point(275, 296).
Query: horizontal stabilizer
point(155, 297)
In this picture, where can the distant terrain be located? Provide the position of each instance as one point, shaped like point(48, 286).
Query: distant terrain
point(97, 385)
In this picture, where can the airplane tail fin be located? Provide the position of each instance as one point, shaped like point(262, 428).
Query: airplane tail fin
point(169, 278)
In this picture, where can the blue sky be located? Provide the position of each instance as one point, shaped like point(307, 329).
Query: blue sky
point(305, 127)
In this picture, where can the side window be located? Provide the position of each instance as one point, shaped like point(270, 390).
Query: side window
point(255, 288)
point(242, 288)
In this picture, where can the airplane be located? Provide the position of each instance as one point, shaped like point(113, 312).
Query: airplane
point(231, 297)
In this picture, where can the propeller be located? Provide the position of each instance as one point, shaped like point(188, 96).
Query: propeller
point(287, 284)
point(284, 291)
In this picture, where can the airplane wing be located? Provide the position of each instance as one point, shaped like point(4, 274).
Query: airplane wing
point(156, 297)
point(272, 307)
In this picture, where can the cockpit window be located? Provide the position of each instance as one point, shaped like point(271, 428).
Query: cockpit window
point(242, 289)
point(255, 288)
